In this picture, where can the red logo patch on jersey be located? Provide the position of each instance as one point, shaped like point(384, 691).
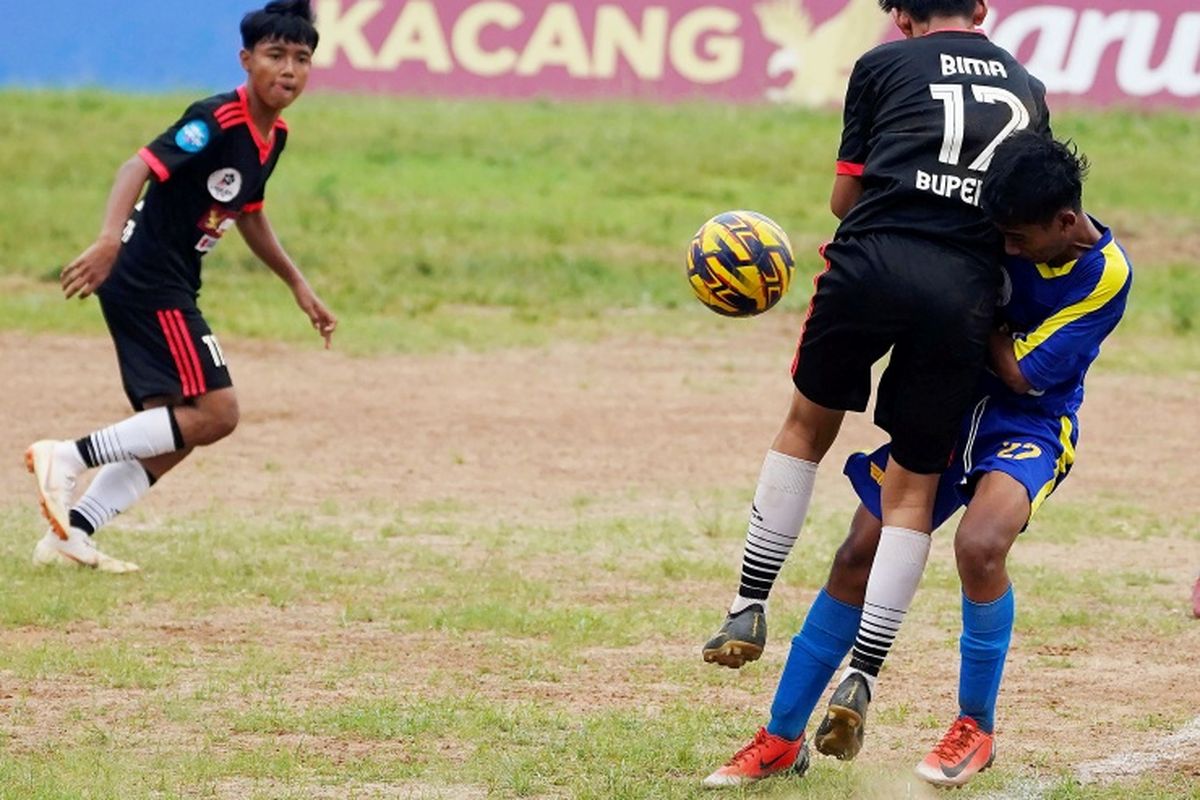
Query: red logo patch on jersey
point(214, 223)
point(217, 220)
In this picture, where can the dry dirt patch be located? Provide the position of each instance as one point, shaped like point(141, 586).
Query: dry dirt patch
point(631, 425)
point(512, 434)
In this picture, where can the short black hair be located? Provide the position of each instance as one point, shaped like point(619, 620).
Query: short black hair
point(925, 10)
point(281, 20)
point(1031, 178)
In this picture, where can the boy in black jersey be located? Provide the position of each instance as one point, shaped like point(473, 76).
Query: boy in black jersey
point(914, 269)
point(207, 173)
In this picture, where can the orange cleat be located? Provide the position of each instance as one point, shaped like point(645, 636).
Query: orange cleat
point(963, 752)
point(766, 755)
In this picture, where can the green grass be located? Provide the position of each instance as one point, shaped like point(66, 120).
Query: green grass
point(260, 656)
point(430, 225)
point(417, 651)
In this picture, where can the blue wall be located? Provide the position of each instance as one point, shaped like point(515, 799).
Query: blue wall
point(146, 45)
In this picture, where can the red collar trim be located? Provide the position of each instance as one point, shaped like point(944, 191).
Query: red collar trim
point(264, 145)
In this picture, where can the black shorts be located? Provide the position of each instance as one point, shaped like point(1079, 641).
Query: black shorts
point(932, 306)
point(167, 352)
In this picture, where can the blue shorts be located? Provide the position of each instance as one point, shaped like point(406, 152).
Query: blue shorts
point(1035, 449)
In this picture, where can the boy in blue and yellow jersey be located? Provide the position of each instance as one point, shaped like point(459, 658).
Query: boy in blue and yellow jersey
point(1065, 288)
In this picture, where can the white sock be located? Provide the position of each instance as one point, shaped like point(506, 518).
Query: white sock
point(68, 457)
point(899, 563)
point(115, 488)
point(785, 487)
point(144, 435)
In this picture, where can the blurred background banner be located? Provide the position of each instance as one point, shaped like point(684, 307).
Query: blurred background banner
point(1094, 52)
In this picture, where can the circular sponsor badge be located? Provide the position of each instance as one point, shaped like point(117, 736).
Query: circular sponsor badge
point(192, 137)
point(224, 184)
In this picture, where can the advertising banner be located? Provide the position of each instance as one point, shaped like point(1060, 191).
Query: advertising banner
point(794, 51)
point(1143, 53)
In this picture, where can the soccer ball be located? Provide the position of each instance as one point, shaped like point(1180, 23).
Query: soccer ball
point(740, 263)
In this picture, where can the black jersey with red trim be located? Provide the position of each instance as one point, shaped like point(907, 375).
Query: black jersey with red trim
point(209, 168)
point(922, 118)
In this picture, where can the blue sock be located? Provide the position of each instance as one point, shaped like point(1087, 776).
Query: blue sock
point(817, 651)
point(987, 630)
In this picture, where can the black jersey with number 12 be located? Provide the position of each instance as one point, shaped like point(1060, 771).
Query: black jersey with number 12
point(923, 117)
point(210, 167)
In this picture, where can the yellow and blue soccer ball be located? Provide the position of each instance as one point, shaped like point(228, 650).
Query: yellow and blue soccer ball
point(740, 263)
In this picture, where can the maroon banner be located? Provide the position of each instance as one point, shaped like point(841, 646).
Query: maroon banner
point(1098, 52)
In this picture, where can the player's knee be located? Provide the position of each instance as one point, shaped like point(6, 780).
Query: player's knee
point(808, 430)
point(852, 564)
point(226, 420)
point(980, 555)
point(221, 415)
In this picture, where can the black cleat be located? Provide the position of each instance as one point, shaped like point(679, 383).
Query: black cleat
point(741, 638)
point(841, 733)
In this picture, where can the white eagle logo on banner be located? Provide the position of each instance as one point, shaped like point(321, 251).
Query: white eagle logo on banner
point(819, 58)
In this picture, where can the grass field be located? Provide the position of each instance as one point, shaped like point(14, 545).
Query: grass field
point(443, 224)
point(473, 552)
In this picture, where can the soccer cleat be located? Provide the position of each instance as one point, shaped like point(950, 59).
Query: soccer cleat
point(741, 638)
point(963, 753)
point(766, 755)
point(841, 733)
point(1196, 599)
point(55, 482)
point(78, 550)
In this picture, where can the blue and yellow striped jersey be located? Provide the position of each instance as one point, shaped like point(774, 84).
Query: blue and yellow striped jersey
point(1060, 315)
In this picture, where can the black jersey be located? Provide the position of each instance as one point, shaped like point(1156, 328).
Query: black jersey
point(209, 168)
point(923, 117)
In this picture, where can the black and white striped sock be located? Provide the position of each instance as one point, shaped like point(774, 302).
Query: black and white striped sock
point(144, 435)
point(899, 564)
point(785, 487)
point(115, 488)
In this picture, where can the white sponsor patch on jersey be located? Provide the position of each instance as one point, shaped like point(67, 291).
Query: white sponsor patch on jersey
point(224, 184)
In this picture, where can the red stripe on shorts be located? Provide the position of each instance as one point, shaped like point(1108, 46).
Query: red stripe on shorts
point(186, 380)
point(811, 302)
point(201, 386)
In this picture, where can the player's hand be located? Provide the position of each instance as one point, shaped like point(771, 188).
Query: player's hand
point(90, 268)
point(322, 319)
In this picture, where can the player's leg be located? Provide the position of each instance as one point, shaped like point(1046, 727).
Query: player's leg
point(828, 631)
point(946, 305)
point(892, 583)
point(847, 581)
point(1017, 458)
point(175, 376)
point(816, 652)
point(831, 373)
point(117, 486)
point(781, 499)
point(57, 464)
point(996, 515)
point(903, 550)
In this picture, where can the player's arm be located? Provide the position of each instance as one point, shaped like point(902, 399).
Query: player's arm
point(846, 191)
point(1051, 352)
point(92, 267)
point(1003, 358)
point(858, 114)
point(261, 239)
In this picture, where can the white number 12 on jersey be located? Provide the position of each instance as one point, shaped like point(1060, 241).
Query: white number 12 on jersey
point(951, 95)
